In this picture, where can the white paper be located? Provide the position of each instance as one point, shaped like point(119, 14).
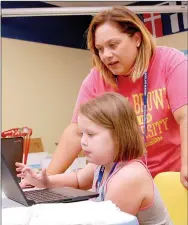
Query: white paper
point(35, 159)
point(78, 163)
point(85, 213)
point(16, 216)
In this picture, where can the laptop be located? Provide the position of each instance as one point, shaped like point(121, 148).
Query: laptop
point(13, 191)
point(12, 150)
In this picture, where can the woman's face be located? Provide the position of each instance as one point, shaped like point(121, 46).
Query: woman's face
point(116, 50)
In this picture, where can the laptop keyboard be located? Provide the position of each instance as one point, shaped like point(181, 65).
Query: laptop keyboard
point(44, 195)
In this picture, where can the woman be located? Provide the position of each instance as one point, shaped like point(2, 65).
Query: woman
point(112, 143)
point(126, 60)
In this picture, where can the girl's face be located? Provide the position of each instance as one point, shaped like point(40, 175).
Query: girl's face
point(96, 142)
point(117, 50)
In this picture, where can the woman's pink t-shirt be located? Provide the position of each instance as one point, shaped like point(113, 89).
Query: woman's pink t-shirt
point(167, 91)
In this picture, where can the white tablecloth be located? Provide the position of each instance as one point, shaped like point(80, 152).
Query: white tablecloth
point(86, 212)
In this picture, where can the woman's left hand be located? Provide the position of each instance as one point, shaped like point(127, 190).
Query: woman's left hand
point(184, 176)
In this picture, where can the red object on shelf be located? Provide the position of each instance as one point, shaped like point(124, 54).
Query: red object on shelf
point(24, 132)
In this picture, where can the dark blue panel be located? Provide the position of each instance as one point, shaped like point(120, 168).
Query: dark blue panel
point(24, 4)
point(166, 24)
point(58, 30)
point(143, 3)
point(69, 31)
point(66, 31)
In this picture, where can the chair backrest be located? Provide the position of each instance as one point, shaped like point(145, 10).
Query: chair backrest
point(174, 195)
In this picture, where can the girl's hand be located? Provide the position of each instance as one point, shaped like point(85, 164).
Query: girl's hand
point(30, 177)
point(23, 184)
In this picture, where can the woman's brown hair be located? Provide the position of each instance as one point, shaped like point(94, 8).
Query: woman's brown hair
point(130, 24)
point(114, 112)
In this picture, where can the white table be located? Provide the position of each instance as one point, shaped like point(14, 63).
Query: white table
point(8, 203)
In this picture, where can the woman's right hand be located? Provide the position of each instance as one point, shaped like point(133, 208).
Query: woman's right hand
point(30, 177)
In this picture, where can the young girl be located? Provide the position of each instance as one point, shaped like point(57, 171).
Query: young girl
point(113, 144)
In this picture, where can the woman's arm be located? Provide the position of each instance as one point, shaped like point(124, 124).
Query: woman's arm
point(69, 144)
point(176, 86)
point(181, 118)
point(67, 150)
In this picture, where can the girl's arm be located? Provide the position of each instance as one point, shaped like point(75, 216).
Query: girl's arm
point(81, 179)
point(127, 188)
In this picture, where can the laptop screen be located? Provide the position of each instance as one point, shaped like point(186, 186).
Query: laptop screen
point(12, 150)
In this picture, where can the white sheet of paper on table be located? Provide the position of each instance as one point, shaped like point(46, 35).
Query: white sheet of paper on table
point(16, 216)
point(87, 212)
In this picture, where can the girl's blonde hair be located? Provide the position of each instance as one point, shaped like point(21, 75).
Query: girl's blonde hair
point(114, 112)
point(130, 24)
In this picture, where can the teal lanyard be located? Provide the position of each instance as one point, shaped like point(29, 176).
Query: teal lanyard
point(145, 94)
point(99, 180)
